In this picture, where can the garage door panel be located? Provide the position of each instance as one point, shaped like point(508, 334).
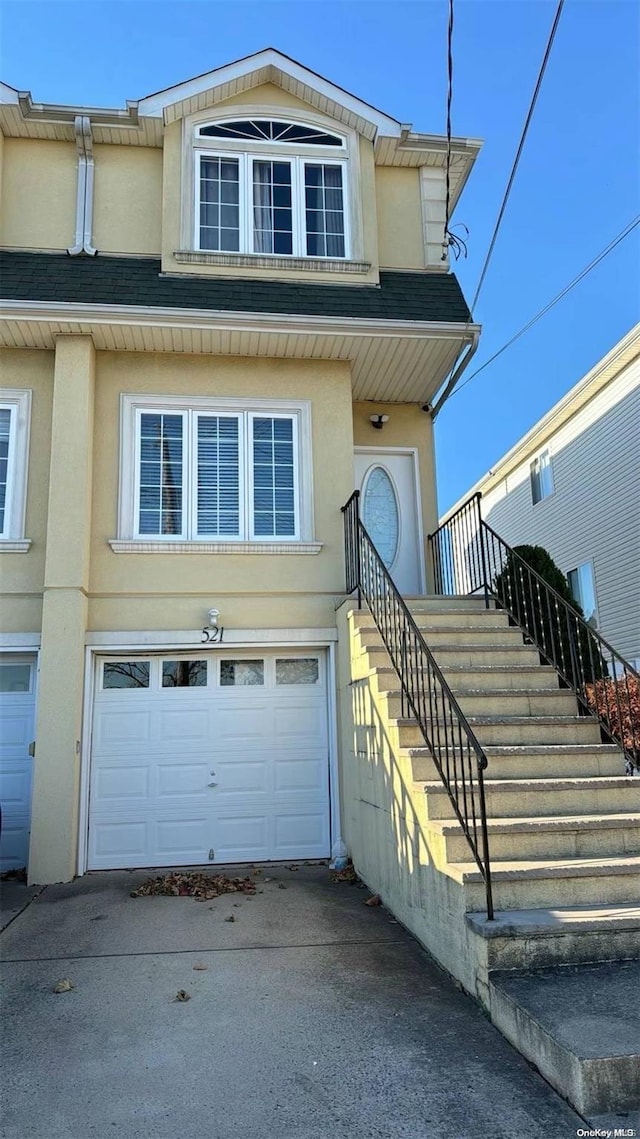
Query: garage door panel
point(240, 723)
point(15, 787)
point(17, 713)
point(184, 838)
point(16, 728)
point(187, 724)
point(301, 773)
point(306, 832)
point(301, 721)
point(241, 836)
point(121, 782)
point(119, 841)
point(180, 779)
point(122, 725)
point(241, 775)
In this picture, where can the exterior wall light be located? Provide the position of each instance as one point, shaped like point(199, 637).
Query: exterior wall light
point(378, 421)
point(212, 631)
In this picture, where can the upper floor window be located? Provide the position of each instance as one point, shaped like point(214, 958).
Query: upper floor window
point(255, 196)
point(14, 446)
point(541, 477)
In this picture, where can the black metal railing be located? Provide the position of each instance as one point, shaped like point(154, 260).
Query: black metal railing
point(458, 757)
point(469, 557)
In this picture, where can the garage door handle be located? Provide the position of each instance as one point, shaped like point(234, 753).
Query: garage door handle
point(212, 784)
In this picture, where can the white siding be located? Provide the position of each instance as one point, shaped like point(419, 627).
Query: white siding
point(594, 513)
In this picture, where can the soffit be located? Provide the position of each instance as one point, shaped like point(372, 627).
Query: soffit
point(395, 368)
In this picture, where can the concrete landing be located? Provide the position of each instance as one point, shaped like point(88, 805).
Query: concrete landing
point(580, 1026)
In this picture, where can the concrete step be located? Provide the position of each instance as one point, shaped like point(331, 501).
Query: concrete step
point(579, 1027)
point(485, 678)
point(437, 601)
point(451, 618)
point(551, 882)
point(490, 730)
point(461, 655)
point(533, 798)
point(530, 939)
point(552, 836)
point(502, 702)
point(439, 636)
point(529, 761)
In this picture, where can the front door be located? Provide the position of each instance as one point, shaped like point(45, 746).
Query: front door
point(389, 509)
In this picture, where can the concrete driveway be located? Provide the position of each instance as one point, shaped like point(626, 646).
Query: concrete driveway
point(316, 1017)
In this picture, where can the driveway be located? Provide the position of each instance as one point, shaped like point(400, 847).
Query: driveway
point(316, 1017)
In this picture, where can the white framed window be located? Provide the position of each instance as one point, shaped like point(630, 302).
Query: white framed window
point(583, 590)
point(271, 187)
point(208, 470)
point(15, 417)
point(541, 475)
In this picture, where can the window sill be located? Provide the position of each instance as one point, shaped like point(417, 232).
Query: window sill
point(14, 546)
point(144, 546)
point(272, 261)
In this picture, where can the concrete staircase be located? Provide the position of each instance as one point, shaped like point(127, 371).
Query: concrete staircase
point(564, 818)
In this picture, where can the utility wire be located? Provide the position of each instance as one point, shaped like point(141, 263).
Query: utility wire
point(516, 162)
point(592, 264)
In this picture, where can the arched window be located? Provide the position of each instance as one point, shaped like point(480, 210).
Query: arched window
point(255, 196)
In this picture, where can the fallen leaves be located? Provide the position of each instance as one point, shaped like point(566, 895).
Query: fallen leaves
point(199, 967)
point(194, 884)
point(230, 918)
point(182, 995)
point(63, 986)
point(348, 875)
point(374, 900)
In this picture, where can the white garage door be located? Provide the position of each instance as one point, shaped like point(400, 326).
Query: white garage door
point(17, 711)
point(215, 758)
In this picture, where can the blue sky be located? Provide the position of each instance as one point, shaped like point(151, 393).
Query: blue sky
point(577, 187)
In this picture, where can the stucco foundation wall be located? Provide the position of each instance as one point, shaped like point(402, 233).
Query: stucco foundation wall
point(22, 575)
point(173, 591)
point(384, 834)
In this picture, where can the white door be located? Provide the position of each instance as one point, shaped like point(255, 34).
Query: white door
point(220, 758)
point(389, 509)
point(17, 713)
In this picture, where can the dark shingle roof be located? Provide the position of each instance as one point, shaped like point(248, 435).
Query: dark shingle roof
point(137, 281)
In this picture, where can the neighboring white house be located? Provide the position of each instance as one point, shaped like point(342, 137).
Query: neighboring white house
point(572, 485)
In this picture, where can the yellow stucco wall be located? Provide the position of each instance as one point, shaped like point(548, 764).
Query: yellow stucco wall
point(400, 240)
point(127, 212)
point(169, 591)
point(22, 575)
point(38, 194)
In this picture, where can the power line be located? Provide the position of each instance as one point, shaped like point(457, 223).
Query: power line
point(592, 264)
point(516, 162)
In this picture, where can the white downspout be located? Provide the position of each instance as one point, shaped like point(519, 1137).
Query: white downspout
point(84, 196)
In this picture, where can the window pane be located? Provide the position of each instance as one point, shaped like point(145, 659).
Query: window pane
point(324, 210)
point(271, 130)
point(272, 213)
point(184, 673)
point(126, 674)
point(160, 471)
point(273, 477)
point(297, 670)
point(5, 427)
point(583, 591)
point(218, 475)
point(541, 476)
point(238, 673)
point(15, 677)
point(219, 203)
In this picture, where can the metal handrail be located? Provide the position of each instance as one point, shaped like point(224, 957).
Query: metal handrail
point(470, 557)
point(458, 757)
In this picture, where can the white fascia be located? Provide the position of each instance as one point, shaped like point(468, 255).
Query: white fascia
point(155, 104)
point(153, 317)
